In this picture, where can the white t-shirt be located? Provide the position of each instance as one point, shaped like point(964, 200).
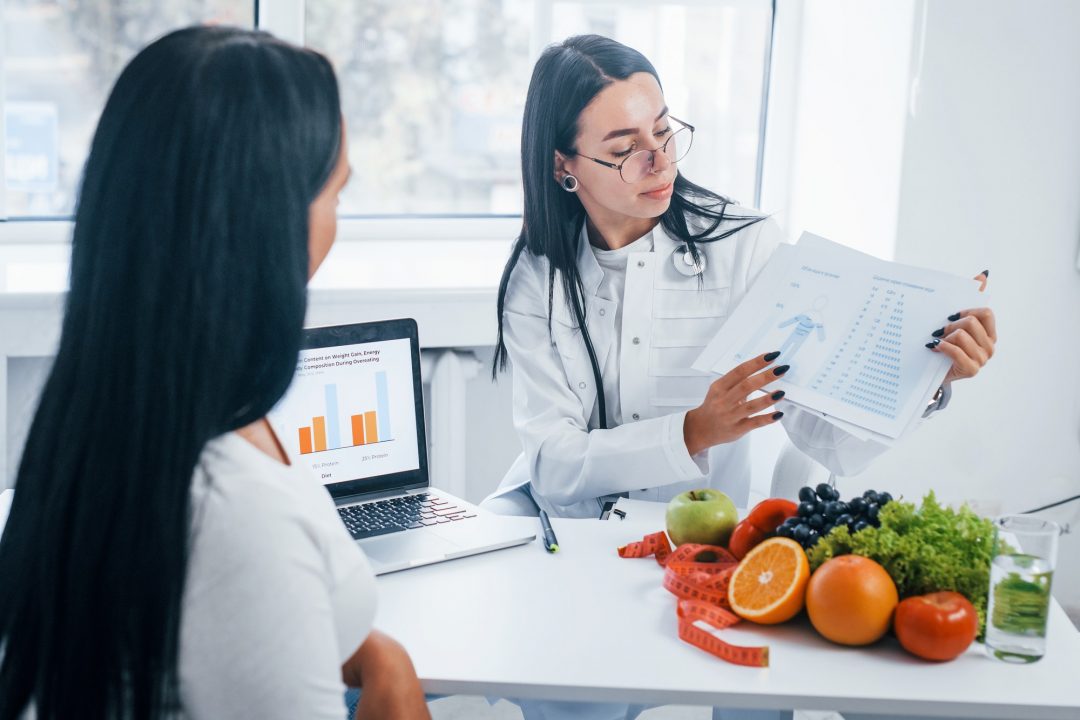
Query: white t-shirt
point(612, 287)
point(277, 596)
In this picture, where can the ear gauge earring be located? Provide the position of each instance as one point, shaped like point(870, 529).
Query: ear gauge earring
point(569, 183)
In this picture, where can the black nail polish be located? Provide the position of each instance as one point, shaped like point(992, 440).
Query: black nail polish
point(772, 356)
point(777, 415)
point(938, 333)
point(781, 370)
point(778, 394)
point(954, 317)
point(933, 344)
point(986, 274)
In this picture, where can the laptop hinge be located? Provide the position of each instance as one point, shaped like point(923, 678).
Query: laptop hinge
point(364, 497)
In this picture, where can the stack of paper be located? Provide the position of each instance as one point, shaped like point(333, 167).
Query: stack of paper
point(854, 331)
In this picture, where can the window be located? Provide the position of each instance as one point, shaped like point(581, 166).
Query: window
point(58, 61)
point(433, 90)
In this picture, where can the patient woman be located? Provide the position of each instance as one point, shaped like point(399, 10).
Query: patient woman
point(164, 557)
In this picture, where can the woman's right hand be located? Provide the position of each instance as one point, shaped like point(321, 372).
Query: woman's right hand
point(390, 689)
point(726, 414)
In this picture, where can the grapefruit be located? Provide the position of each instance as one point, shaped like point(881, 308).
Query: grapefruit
point(850, 600)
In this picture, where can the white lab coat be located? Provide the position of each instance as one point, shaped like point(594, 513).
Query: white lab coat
point(567, 463)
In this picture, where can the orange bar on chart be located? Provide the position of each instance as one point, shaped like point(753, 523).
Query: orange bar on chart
point(319, 424)
point(357, 430)
point(371, 427)
point(305, 440)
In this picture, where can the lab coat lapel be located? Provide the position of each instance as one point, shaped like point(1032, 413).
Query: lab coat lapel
point(601, 327)
point(663, 244)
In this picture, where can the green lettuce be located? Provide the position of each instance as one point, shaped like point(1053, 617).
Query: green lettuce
point(924, 550)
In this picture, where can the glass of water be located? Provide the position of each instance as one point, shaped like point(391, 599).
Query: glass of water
point(1025, 550)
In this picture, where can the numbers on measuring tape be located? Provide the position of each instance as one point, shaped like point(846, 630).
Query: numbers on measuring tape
point(699, 575)
point(690, 612)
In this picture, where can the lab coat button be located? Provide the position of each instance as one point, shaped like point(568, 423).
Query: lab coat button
point(641, 263)
point(636, 341)
point(581, 385)
point(603, 312)
point(636, 416)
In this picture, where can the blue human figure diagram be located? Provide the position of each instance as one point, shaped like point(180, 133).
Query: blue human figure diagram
point(804, 325)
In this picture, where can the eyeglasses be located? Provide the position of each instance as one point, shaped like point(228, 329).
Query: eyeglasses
point(640, 163)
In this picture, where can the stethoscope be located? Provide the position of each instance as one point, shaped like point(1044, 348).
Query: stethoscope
point(685, 265)
point(684, 261)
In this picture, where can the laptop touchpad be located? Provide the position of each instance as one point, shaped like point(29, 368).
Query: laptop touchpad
point(407, 546)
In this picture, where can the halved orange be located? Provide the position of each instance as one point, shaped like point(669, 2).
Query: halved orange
point(769, 585)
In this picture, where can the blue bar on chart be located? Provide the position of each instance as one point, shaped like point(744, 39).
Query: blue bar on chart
point(333, 423)
point(382, 400)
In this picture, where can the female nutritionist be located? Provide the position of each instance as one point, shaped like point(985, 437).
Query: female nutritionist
point(623, 271)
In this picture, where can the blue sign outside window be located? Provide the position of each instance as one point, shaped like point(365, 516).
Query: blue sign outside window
point(31, 147)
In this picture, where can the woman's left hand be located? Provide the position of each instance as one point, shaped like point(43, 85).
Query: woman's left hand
point(968, 340)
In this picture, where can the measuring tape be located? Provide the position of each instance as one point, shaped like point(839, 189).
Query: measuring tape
point(699, 575)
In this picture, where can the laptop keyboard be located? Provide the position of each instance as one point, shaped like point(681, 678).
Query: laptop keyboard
point(405, 512)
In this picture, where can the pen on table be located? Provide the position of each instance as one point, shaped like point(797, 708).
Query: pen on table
point(551, 543)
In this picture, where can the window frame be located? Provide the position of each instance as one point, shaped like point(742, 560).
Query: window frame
point(286, 19)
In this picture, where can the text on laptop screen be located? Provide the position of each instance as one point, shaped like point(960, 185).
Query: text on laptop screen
point(350, 412)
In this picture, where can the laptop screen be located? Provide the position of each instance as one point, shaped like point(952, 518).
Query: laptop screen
point(354, 410)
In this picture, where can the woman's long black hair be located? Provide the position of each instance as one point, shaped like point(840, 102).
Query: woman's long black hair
point(566, 78)
point(183, 321)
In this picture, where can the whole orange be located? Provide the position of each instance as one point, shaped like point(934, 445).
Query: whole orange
point(850, 600)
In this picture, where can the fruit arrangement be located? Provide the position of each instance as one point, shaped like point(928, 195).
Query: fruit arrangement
point(859, 568)
point(925, 549)
point(821, 509)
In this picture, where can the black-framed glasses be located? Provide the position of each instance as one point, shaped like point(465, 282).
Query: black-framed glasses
point(640, 163)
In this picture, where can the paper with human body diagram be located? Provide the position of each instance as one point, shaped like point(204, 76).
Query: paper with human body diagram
point(852, 327)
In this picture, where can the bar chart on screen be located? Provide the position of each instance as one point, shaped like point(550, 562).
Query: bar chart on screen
point(350, 411)
point(369, 427)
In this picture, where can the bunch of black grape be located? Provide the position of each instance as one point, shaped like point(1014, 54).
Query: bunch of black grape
point(821, 509)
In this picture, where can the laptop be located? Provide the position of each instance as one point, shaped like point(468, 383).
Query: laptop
point(354, 414)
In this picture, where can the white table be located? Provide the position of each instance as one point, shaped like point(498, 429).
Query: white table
point(587, 625)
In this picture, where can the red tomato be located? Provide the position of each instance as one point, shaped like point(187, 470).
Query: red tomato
point(938, 626)
point(760, 524)
point(767, 515)
point(744, 538)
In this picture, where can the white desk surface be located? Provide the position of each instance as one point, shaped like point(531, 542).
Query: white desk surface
point(584, 624)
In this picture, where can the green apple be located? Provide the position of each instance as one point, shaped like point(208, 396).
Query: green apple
point(701, 516)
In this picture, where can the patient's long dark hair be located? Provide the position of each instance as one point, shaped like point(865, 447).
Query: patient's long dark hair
point(566, 78)
point(183, 321)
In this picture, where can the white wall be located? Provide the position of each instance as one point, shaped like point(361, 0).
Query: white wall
point(491, 445)
point(991, 179)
